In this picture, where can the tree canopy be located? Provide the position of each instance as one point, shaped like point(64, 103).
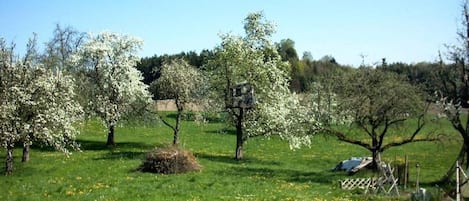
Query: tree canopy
point(115, 84)
point(38, 105)
point(254, 59)
point(181, 82)
point(378, 103)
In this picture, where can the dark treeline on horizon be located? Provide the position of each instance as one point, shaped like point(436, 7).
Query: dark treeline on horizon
point(431, 77)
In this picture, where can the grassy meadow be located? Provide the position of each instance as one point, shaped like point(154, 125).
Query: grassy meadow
point(270, 170)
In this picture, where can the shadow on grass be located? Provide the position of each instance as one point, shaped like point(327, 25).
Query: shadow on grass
point(230, 159)
point(122, 150)
point(272, 171)
point(100, 145)
point(224, 131)
point(288, 175)
point(39, 146)
point(120, 155)
point(22, 169)
point(90, 145)
point(191, 116)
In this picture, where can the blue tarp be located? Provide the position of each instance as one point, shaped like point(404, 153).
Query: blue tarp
point(350, 164)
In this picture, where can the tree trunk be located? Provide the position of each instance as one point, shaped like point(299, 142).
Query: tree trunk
point(178, 121)
point(375, 153)
point(9, 160)
point(464, 76)
point(464, 89)
point(449, 174)
point(466, 149)
point(176, 131)
point(25, 157)
point(463, 156)
point(239, 135)
point(110, 135)
point(376, 159)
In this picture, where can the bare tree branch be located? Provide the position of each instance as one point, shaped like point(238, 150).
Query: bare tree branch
point(165, 122)
point(406, 141)
point(420, 124)
point(344, 138)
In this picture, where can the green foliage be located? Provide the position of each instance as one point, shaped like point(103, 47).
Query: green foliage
point(182, 83)
point(254, 59)
point(37, 104)
point(179, 80)
point(150, 67)
point(378, 102)
point(305, 71)
point(429, 77)
point(286, 50)
point(376, 96)
point(114, 84)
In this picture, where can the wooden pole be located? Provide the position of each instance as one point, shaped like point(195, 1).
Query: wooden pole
point(418, 174)
point(406, 171)
point(458, 191)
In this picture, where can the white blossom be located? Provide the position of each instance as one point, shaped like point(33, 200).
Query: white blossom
point(116, 87)
point(179, 80)
point(37, 106)
point(254, 59)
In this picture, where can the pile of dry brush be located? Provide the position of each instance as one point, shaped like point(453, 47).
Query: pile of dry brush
point(169, 160)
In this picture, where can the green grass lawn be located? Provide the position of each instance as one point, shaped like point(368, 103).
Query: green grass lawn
point(270, 171)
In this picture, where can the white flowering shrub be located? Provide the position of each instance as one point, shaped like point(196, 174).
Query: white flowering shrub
point(324, 105)
point(181, 82)
point(254, 59)
point(116, 85)
point(449, 109)
point(286, 117)
point(37, 105)
point(60, 110)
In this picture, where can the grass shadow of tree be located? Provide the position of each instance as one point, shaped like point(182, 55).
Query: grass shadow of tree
point(122, 155)
point(122, 150)
point(222, 131)
point(231, 159)
point(271, 169)
point(40, 146)
point(191, 116)
point(101, 145)
point(92, 145)
point(288, 175)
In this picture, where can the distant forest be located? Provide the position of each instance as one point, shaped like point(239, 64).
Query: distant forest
point(431, 77)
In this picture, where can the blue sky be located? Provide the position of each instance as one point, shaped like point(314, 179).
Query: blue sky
point(401, 30)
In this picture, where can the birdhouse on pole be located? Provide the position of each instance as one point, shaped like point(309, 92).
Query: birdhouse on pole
point(242, 96)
